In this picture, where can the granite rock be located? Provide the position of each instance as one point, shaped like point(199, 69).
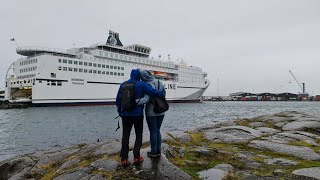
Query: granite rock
point(105, 165)
point(301, 125)
point(297, 151)
point(232, 134)
point(212, 174)
point(72, 176)
point(308, 173)
point(280, 161)
point(257, 124)
point(267, 131)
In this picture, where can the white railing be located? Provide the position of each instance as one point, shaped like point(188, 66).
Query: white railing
point(37, 48)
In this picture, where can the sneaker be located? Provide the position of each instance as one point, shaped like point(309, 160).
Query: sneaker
point(158, 153)
point(124, 162)
point(150, 154)
point(138, 160)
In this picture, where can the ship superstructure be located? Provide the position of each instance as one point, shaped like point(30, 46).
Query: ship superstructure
point(92, 75)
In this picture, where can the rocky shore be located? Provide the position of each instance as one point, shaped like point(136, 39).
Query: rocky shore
point(285, 145)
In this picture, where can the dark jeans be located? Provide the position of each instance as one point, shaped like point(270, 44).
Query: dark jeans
point(127, 123)
point(154, 124)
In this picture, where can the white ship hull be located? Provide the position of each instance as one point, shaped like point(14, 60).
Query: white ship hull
point(92, 77)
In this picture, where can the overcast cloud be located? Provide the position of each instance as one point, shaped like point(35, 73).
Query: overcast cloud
point(248, 45)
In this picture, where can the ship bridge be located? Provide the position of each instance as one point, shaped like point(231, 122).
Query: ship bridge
point(32, 51)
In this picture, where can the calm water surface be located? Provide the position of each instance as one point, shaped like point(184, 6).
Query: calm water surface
point(28, 130)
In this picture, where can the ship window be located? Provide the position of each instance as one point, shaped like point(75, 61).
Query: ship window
point(75, 69)
point(90, 71)
point(60, 60)
point(70, 62)
point(115, 67)
point(53, 83)
point(85, 70)
point(111, 73)
point(85, 63)
point(122, 74)
point(118, 67)
point(111, 55)
point(70, 69)
point(99, 65)
point(107, 72)
point(99, 72)
point(94, 65)
point(103, 66)
point(65, 68)
point(116, 55)
point(119, 74)
point(75, 62)
point(111, 67)
point(80, 62)
point(115, 73)
point(107, 66)
point(103, 72)
point(65, 61)
point(59, 68)
point(95, 71)
point(59, 83)
point(80, 70)
point(90, 64)
point(122, 68)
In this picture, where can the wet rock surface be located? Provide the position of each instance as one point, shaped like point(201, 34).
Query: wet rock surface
point(279, 146)
point(232, 134)
point(308, 173)
point(297, 151)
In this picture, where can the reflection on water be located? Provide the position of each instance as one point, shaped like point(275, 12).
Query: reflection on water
point(28, 130)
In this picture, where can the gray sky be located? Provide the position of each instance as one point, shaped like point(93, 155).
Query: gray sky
point(248, 45)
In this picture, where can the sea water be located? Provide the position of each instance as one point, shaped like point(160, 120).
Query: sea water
point(42, 128)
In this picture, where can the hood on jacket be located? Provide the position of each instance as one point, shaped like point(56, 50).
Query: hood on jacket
point(146, 76)
point(135, 75)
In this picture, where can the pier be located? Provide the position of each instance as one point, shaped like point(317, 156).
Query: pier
point(8, 105)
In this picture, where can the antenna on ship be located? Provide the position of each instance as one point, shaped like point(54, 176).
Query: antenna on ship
point(168, 57)
point(14, 40)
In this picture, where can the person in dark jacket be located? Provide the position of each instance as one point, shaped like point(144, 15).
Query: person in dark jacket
point(134, 117)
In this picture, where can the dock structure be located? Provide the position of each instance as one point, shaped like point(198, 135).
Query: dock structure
point(247, 96)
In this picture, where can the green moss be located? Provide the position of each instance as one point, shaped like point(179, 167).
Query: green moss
point(81, 145)
point(305, 144)
point(231, 176)
point(107, 175)
point(51, 169)
point(243, 122)
point(258, 159)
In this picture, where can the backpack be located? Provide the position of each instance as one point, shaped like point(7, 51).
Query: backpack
point(160, 103)
point(127, 96)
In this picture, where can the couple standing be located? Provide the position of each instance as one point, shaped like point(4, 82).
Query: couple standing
point(132, 115)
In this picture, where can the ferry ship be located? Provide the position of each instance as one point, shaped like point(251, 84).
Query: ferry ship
point(92, 75)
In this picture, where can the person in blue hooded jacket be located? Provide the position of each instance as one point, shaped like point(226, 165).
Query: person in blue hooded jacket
point(154, 119)
point(134, 117)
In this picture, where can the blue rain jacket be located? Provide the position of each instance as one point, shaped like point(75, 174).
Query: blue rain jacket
point(141, 88)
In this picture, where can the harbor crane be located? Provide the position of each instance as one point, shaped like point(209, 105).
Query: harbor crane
point(302, 96)
point(301, 85)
